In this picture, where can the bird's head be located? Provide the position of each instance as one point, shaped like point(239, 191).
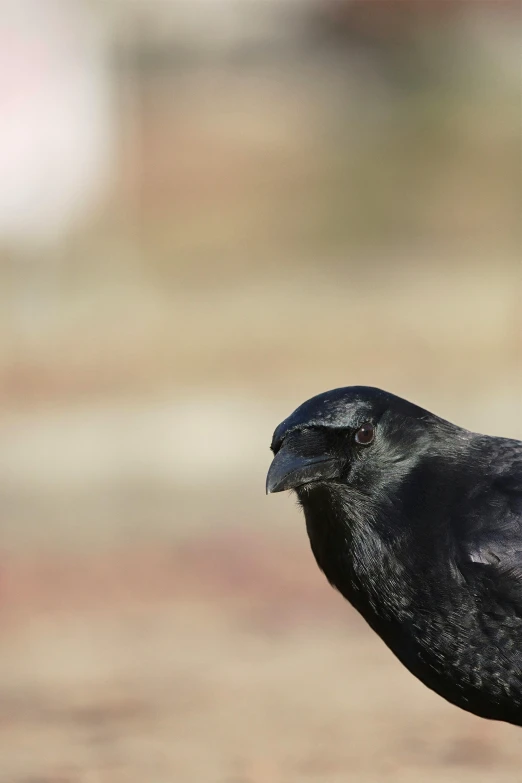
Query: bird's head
point(357, 437)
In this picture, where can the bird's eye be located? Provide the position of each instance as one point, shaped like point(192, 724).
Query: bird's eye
point(365, 434)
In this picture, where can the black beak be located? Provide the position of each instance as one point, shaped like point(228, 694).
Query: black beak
point(290, 470)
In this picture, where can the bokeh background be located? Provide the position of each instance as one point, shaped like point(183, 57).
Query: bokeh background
point(211, 210)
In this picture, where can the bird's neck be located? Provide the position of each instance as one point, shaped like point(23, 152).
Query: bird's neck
point(382, 571)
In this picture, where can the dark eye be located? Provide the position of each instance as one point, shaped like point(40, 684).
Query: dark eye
point(365, 434)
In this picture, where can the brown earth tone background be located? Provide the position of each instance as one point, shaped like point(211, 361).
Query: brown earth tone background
point(222, 209)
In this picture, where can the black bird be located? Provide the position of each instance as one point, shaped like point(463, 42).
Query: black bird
point(418, 523)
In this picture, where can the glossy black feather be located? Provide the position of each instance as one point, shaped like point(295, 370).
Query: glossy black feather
point(422, 533)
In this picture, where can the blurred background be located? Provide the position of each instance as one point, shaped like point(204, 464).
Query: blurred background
point(211, 210)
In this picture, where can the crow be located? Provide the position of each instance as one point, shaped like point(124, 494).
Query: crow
point(418, 523)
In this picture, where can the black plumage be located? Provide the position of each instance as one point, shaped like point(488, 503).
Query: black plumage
point(418, 523)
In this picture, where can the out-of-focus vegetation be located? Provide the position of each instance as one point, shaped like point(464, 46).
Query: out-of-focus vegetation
point(363, 142)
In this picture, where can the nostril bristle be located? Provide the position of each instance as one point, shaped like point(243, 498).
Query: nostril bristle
point(276, 445)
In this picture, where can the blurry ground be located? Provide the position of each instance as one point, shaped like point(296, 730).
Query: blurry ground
point(225, 662)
